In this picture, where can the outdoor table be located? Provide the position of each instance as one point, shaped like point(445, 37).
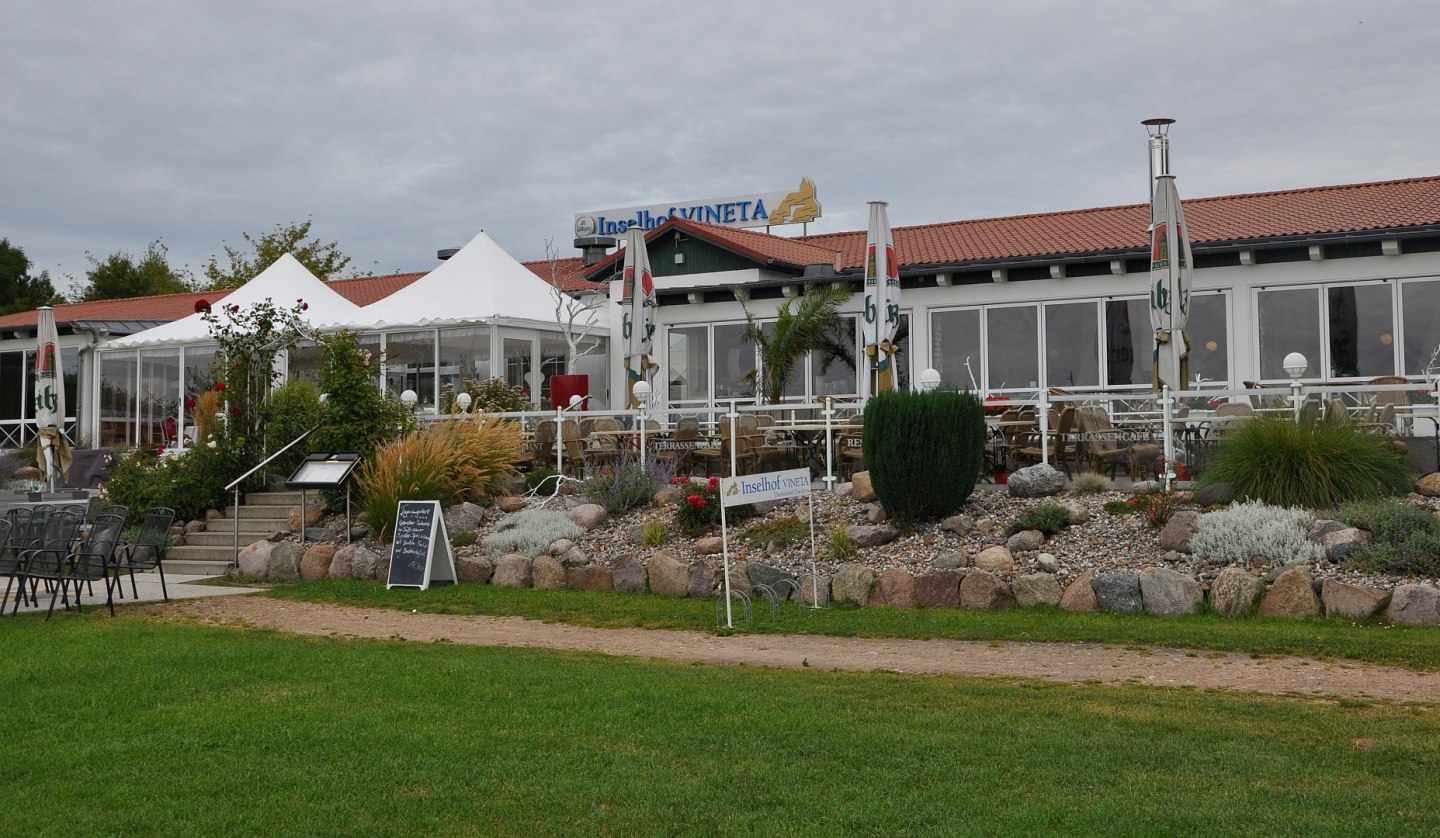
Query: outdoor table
point(808, 436)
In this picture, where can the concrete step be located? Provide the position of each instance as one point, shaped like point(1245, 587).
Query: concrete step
point(269, 513)
point(197, 567)
point(226, 537)
point(286, 499)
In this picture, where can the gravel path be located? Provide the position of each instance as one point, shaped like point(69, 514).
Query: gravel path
point(1069, 663)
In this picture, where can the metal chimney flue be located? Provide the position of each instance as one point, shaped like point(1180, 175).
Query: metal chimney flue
point(1158, 128)
point(594, 248)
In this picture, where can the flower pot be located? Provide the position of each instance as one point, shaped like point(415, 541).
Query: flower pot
point(562, 387)
point(1002, 477)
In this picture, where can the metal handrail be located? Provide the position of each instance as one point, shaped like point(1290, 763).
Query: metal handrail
point(241, 479)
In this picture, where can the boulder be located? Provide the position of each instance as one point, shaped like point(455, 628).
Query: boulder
point(1025, 541)
point(709, 545)
point(1429, 485)
point(1037, 481)
point(588, 515)
point(875, 513)
point(1341, 544)
point(845, 490)
point(1178, 531)
point(985, 525)
point(863, 489)
point(1079, 514)
point(938, 589)
point(995, 559)
point(1215, 494)
point(872, 535)
point(740, 579)
point(958, 524)
point(314, 514)
point(474, 570)
point(463, 517)
point(1118, 592)
point(1145, 487)
point(1047, 563)
point(1036, 589)
point(214, 515)
point(341, 563)
point(319, 534)
point(764, 574)
point(560, 546)
point(668, 496)
point(852, 582)
point(815, 591)
point(574, 557)
point(315, 564)
point(700, 582)
point(512, 570)
point(1291, 596)
point(668, 574)
point(895, 587)
point(510, 503)
point(1079, 596)
point(982, 590)
point(1235, 591)
point(590, 578)
point(1353, 601)
point(547, 573)
point(950, 561)
point(284, 562)
point(195, 526)
point(254, 560)
point(1414, 605)
point(1169, 593)
point(367, 564)
point(628, 574)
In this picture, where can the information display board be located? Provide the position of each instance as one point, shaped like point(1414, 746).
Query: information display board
point(420, 552)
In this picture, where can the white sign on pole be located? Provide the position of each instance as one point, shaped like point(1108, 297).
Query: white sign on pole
point(774, 485)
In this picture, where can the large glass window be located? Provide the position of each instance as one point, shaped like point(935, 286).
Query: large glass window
point(1072, 341)
point(117, 397)
point(410, 365)
point(1362, 331)
point(689, 363)
point(832, 371)
point(1129, 343)
point(13, 386)
point(199, 368)
point(734, 358)
point(955, 349)
point(1419, 302)
point(554, 352)
point(305, 361)
point(1011, 343)
point(159, 392)
point(1209, 333)
point(464, 354)
point(1289, 322)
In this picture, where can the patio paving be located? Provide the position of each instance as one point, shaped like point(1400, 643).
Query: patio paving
point(180, 586)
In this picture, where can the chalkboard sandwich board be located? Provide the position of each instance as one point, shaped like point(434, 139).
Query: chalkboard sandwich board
point(420, 553)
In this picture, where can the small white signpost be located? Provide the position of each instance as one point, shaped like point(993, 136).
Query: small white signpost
point(752, 488)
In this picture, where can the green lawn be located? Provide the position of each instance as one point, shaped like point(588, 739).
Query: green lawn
point(128, 726)
point(1411, 647)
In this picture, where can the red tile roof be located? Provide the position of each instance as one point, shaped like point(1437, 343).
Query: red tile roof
point(762, 247)
point(1261, 215)
point(364, 290)
point(569, 273)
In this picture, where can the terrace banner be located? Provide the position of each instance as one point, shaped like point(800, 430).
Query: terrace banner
point(774, 485)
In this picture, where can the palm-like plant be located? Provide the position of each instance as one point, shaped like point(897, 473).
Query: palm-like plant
point(801, 324)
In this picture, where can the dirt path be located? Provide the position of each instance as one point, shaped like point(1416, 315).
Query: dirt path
point(1064, 662)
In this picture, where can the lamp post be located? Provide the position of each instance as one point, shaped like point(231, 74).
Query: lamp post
point(642, 398)
point(1295, 366)
point(409, 399)
point(929, 380)
point(463, 402)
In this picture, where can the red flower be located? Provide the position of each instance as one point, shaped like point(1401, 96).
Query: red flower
point(189, 402)
point(695, 500)
point(234, 309)
point(235, 411)
point(1130, 502)
point(304, 306)
point(701, 504)
point(220, 388)
point(202, 306)
point(714, 483)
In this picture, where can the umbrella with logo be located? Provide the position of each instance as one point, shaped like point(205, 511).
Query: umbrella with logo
point(53, 452)
point(638, 321)
point(1170, 266)
point(882, 305)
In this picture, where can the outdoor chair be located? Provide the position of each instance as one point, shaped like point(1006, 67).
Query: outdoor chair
point(1396, 398)
point(687, 431)
point(48, 552)
point(147, 550)
point(602, 449)
point(85, 564)
point(1106, 447)
point(542, 452)
point(1059, 446)
point(850, 448)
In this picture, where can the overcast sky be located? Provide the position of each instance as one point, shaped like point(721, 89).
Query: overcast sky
point(400, 128)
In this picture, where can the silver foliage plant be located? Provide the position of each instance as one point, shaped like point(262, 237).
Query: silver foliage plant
point(1253, 529)
point(531, 532)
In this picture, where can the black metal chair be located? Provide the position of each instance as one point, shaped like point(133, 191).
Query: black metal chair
point(45, 556)
point(86, 564)
point(147, 550)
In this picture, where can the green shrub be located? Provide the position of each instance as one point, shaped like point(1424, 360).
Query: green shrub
point(1404, 540)
point(542, 481)
point(1250, 529)
point(654, 534)
point(1091, 483)
point(699, 510)
point(356, 416)
point(531, 532)
point(627, 485)
point(1398, 523)
point(842, 547)
point(1122, 506)
point(924, 452)
point(464, 539)
point(1311, 464)
point(492, 395)
point(189, 482)
point(781, 531)
point(1048, 518)
point(293, 409)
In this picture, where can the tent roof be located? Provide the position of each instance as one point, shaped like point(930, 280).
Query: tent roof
point(283, 281)
point(480, 283)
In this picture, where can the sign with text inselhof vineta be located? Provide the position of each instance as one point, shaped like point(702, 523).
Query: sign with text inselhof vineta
point(774, 485)
point(758, 210)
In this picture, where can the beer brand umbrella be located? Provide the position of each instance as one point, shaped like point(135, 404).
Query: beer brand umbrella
point(882, 305)
point(638, 306)
point(53, 452)
point(1170, 271)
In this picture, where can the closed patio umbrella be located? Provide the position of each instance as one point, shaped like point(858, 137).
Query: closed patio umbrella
point(1170, 267)
point(53, 452)
point(882, 305)
point(638, 305)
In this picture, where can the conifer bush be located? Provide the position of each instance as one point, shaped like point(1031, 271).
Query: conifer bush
point(924, 452)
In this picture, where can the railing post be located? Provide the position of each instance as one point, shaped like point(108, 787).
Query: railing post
point(1166, 402)
point(1043, 416)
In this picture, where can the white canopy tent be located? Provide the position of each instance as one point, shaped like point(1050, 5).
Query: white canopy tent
point(283, 282)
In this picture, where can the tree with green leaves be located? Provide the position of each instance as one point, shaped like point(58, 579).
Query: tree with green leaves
point(19, 291)
point(322, 259)
point(801, 324)
point(121, 275)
